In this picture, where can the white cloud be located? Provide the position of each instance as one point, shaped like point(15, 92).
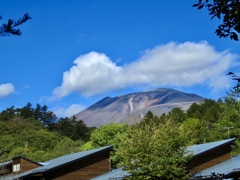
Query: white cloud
point(173, 64)
point(68, 112)
point(6, 89)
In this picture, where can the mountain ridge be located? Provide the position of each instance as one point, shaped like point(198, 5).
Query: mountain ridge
point(119, 108)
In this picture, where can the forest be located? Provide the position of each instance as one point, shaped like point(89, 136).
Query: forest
point(38, 134)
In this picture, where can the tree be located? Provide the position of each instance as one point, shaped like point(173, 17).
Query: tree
point(194, 111)
point(149, 118)
point(208, 111)
point(26, 111)
point(195, 130)
point(229, 11)
point(153, 152)
point(107, 134)
point(7, 114)
point(9, 28)
point(236, 78)
point(177, 114)
point(72, 128)
point(230, 110)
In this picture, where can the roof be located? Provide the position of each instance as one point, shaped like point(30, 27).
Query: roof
point(5, 163)
point(117, 174)
point(7, 177)
point(27, 160)
point(196, 150)
point(227, 167)
point(63, 160)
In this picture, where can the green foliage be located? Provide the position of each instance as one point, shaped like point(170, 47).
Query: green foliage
point(7, 114)
point(87, 146)
point(153, 152)
point(194, 111)
point(40, 113)
point(151, 119)
point(195, 130)
point(23, 133)
point(107, 134)
point(229, 120)
point(228, 11)
point(148, 115)
point(72, 128)
point(177, 114)
point(38, 145)
point(208, 111)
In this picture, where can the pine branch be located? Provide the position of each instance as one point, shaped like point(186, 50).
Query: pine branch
point(9, 28)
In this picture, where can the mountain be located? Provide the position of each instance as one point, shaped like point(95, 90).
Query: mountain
point(119, 109)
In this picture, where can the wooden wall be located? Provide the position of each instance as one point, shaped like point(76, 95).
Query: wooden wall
point(209, 159)
point(25, 164)
point(83, 169)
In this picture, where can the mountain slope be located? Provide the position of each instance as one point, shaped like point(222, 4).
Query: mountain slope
point(118, 109)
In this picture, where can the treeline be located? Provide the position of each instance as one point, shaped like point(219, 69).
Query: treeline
point(37, 133)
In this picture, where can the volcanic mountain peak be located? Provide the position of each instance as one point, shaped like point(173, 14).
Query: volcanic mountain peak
point(117, 109)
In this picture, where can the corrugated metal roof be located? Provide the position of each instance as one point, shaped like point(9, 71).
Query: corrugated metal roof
point(5, 163)
point(67, 159)
point(117, 174)
point(7, 177)
point(226, 168)
point(54, 163)
point(202, 148)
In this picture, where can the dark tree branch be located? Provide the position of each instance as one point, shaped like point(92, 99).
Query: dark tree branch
point(236, 78)
point(228, 11)
point(10, 28)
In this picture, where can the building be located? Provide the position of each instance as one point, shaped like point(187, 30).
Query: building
point(209, 154)
point(82, 166)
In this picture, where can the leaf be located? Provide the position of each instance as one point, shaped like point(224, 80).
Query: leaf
point(200, 7)
point(230, 73)
point(236, 79)
point(195, 5)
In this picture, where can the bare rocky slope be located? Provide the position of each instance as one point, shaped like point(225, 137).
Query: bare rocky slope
point(120, 109)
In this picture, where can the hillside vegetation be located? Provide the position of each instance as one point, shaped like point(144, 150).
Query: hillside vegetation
point(36, 132)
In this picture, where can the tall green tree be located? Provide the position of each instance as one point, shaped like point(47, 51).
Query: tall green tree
point(150, 119)
point(70, 127)
point(230, 113)
point(7, 114)
point(177, 114)
point(196, 131)
point(228, 11)
point(107, 134)
point(229, 118)
point(208, 111)
point(153, 152)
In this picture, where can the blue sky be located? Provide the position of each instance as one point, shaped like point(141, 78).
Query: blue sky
point(74, 53)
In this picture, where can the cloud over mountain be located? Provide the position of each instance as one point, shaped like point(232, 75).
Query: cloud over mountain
point(172, 64)
point(68, 112)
